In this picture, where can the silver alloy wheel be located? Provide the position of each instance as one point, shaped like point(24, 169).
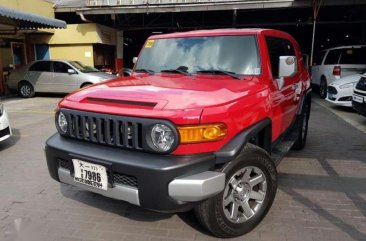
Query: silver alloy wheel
point(244, 194)
point(25, 90)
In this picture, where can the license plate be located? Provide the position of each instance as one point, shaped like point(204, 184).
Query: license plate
point(90, 174)
point(357, 98)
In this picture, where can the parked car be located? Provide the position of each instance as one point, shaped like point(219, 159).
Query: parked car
point(5, 129)
point(340, 91)
point(334, 63)
point(111, 70)
point(58, 76)
point(359, 96)
point(202, 126)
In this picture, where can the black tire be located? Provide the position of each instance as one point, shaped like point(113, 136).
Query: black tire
point(323, 88)
point(26, 89)
point(301, 126)
point(211, 213)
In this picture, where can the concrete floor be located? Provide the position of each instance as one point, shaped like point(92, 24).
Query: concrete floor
point(321, 194)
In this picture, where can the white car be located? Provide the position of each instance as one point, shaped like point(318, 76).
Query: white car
point(340, 91)
point(5, 130)
point(58, 76)
point(335, 63)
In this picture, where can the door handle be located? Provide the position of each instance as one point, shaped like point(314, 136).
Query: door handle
point(295, 86)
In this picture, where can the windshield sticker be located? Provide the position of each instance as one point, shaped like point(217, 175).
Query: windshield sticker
point(149, 43)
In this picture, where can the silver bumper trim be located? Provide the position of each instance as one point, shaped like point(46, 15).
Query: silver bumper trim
point(120, 192)
point(197, 187)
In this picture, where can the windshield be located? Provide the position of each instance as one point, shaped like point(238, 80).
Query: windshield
point(83, 68)
point(234, 54)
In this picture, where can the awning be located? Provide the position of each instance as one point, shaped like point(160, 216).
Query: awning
point(23, 20)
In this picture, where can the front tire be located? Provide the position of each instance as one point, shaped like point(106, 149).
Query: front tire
point(26, 90)
point(250, 188)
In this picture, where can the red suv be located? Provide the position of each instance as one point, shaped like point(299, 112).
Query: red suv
point(201, 124)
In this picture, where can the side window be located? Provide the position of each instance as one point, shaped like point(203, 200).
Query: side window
point(43, 66)
point(60, 67)
point(288, 47)
point(278, 47)
point(318, 58)
point(333, 57)
point(353, 56)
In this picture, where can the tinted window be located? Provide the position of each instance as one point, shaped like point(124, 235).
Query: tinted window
point(238, 54)
point(353, 56)
point(41, 66)
point(83, 68)
point(318, 59)
point(60, 67)
point(278, 47)
point(333, 57)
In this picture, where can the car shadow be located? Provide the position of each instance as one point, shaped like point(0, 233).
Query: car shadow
point(125, 209)
point(11, 141)
point(335, 158)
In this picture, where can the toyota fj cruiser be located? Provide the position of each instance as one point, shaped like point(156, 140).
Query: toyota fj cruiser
point(201, 124)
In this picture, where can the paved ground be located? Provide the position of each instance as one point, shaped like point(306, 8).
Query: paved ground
point(321, 195)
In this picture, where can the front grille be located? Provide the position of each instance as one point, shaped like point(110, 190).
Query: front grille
point(64, 164)
point(125, 179)
point(359, 93)
point(106, 131)
point(332, 90)
point(361, 85)
point(113, 130)
point(5, 132)
point(346, 98)
point(119, 178)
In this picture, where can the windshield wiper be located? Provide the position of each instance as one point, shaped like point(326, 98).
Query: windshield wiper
point(180, 71)
point(220, 71)
point(149, 71)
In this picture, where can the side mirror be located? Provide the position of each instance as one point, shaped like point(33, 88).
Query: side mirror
point(134, 60)
point(71, 71)
point(287, 66)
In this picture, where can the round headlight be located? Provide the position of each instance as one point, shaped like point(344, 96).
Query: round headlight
point(162, 137)
point(62, 123)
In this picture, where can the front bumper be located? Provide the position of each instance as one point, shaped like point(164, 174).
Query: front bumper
point(360, 107)
point(164, 183)
point(5, 129)
point(341, 97)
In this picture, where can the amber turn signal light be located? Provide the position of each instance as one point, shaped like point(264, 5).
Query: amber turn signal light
point(202, 133)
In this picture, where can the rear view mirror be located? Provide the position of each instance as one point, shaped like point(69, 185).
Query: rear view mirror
point(287, 66)
point(71, 71)
point(134, 60)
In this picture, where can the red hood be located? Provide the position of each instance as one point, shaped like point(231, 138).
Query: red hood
point(167, 91)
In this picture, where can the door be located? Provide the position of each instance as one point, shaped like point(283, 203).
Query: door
point(285, 99)
point(316, 67)
point(42, 52)
point(64, 82)
point(40, 76)
point(18, 52)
